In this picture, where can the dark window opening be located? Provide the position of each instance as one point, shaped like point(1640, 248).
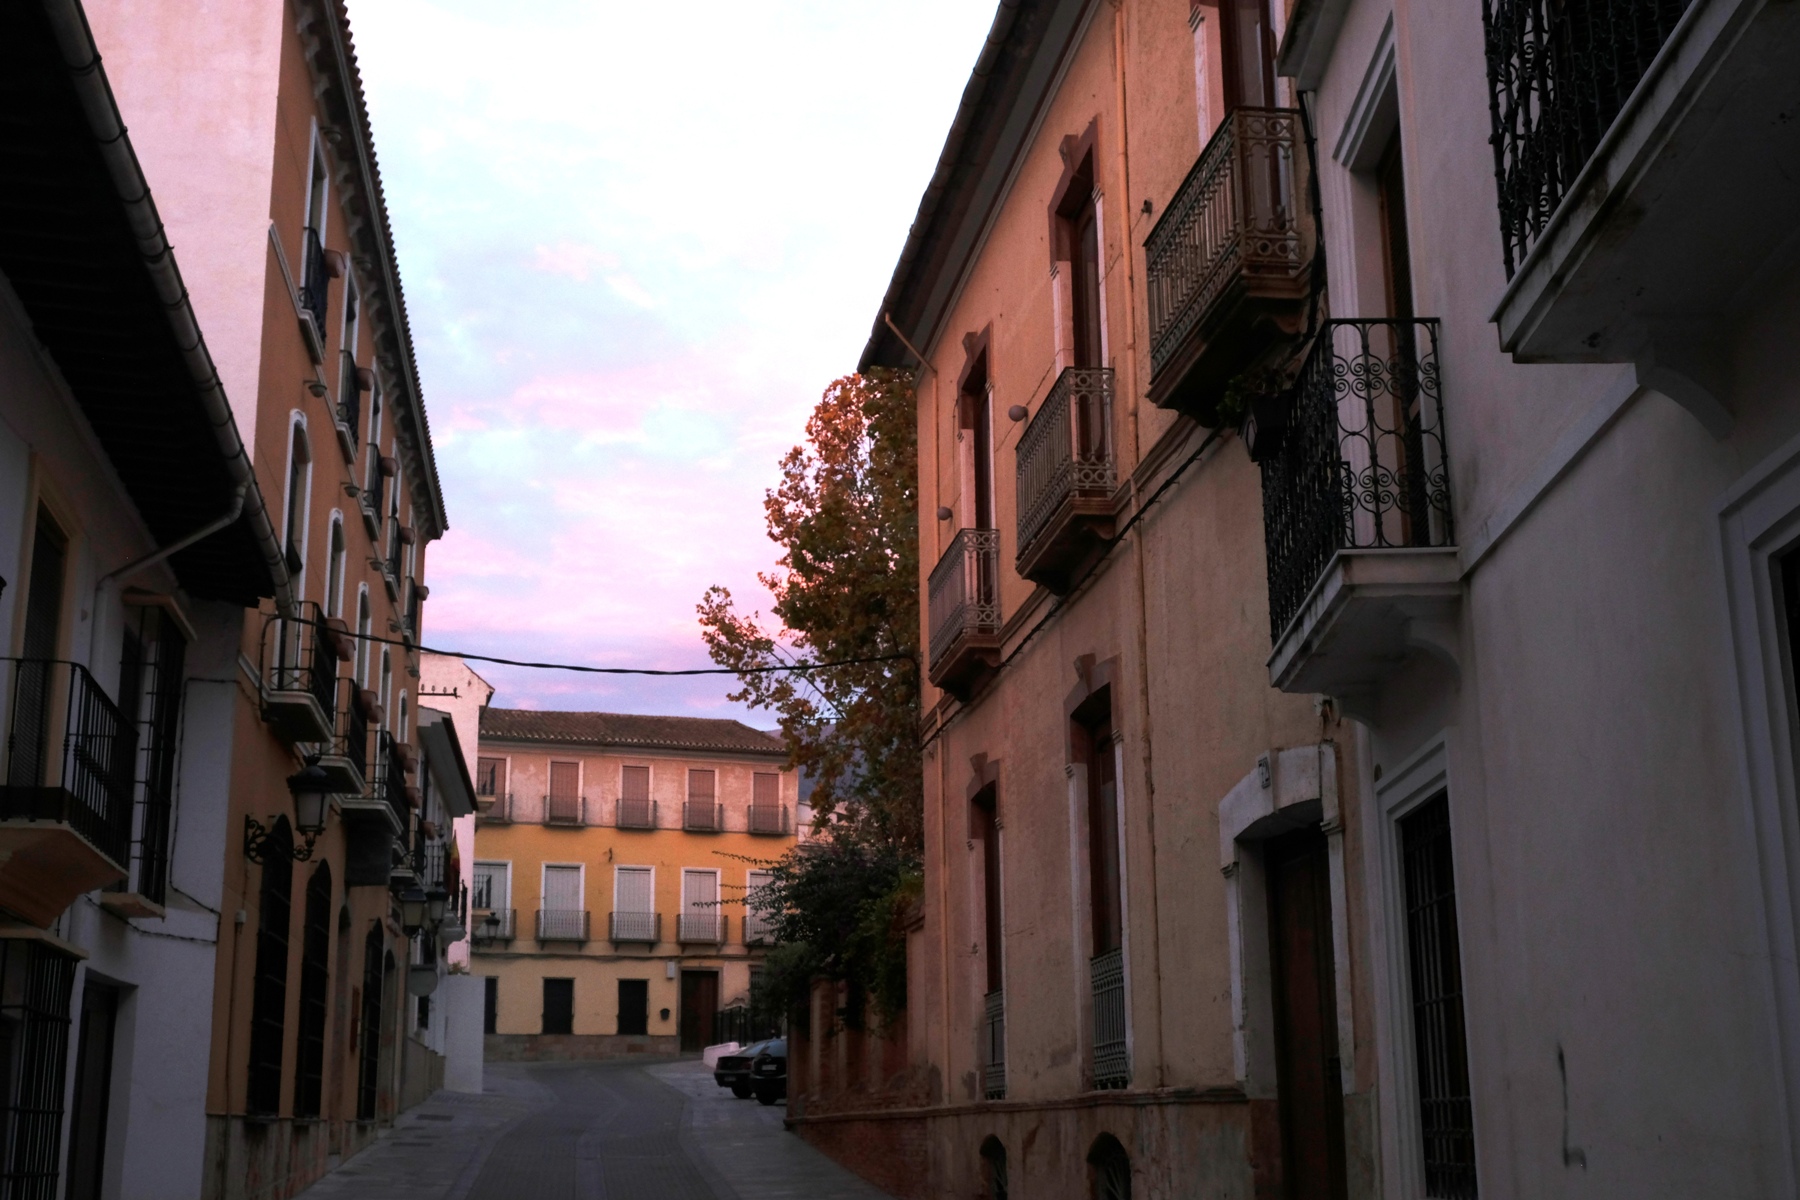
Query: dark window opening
point(978, 412)
point(36, 983)
point(987, 833)
point(1446, 1116)
point(559, 1006)
point(487, 776)
point(30, 746)
point(424, 1013)
point(268, 1013)
point(490, 1004)
point(634, 1006)
point(93, 1090)
point(1095, 744)
point(368, 1060)
point(1109, 1169)
point(1249, 46)
point(1390, 187)
point(993, 1170)
point(315, 982)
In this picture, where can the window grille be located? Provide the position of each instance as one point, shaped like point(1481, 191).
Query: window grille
point(993, 1047)
point(315, 978)
point(1446, 1116)
point(167, 665)
point(268, 1013)
point(368, 1067)
point(36, 983)
point(1112, 1068)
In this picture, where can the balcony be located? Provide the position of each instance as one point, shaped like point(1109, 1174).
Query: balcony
point(562, 925)
point(300, 683)
point(1356, 508)
point(993, 1046)
point(1066, 478)
point(1228, 266)
point(1106, 979)
point(375, 821)
point(66, 790)
point(759, 930)
point(494, 925)
point(645, 927)
point(345, 760)
point(963, 601)
point(703, 816)
point(565, 809)
point(636, 813)
point(495, 808)
point(1645, 176)
point(315, 281)
point(770, 819)
point(349, 405)
point(702, 929)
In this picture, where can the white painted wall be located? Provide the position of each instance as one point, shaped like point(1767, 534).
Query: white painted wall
point(462, 999)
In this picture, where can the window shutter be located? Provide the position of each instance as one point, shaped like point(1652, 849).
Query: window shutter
point(700, 785)
point(562, 888)
point(767, 790)
point(635, 783)
point(634, 890)
point(564, 780)
point(699, 892)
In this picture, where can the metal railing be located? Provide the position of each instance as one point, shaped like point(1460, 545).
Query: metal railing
point(565, 809)
point(1360, 463)
point(708, 927)
point(562, 925)
point(393, 780)
point(1559, 72)
point(302, 657)
point(1112, 1066)
point(759, 930)
point(498, 813)
point(743, 1025)
point(71, 754)
point(636, 927)
point(503, 930)
point(635, 814)
point(768, 818)
point(349, 402)
point(355, 736)
point(993, 1046)
point(1066, 450)
point(314, 279)
point(964, 594)
point(1240, 215)
point(703, 816)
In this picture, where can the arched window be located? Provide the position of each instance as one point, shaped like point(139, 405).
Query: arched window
point(268, 1011)
point(315, 980)
point(362, 639)
point(368, 1053)
point(1109, 1169)
point(299, 494)
point(387, 684)
point(400, 718)
point(334, 571)
point(374, 475)
point(993, 1169)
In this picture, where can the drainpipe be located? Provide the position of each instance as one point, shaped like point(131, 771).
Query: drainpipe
point(82, 59)
point(150, 560)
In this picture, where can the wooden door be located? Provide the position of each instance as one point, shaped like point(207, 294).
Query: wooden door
point(699, 1005)
point(559, 1006)
point(1308, 1082)
point(634, 1006)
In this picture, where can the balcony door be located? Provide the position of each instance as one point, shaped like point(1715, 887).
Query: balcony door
point(562, 901)
point(977, 406)
point(93, 1091)
point(559, 1006)
point(30, 750)
point(1249, 45)
point(634, 1006)
point(699, 904)
point(699, 1008)
point(1307, 1071)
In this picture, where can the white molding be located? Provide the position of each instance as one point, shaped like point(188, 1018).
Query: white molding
point(1759, 519)
point(1375, 112)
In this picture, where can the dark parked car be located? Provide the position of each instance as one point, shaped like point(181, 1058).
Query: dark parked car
point(768, 1072)
point(733, 1070)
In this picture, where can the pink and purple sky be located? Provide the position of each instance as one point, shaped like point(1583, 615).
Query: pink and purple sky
point(637, 241)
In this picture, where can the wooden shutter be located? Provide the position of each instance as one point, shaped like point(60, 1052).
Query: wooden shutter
point(766, 790)
point(565, 780)
point(634, 783)
point(699, 892)
point(562, 888)
point(634, 890)
point(700, 786)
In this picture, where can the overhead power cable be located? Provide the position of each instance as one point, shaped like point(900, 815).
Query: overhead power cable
point(587, 670)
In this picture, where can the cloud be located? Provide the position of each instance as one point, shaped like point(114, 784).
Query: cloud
point(638, 241)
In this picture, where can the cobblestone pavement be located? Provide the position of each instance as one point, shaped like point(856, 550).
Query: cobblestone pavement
point(591, 1131)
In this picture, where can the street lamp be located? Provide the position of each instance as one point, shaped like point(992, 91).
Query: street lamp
point(310, 787)
point(490, 928)
point(412, 910)
point(437, 901)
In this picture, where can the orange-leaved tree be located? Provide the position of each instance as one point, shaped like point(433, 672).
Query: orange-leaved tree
point(846, 515)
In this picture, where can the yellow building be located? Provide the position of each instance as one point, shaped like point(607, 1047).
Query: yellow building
point(612, 858)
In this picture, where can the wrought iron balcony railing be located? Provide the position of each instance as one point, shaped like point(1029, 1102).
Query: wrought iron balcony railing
point(349, 399)
point(562, 925)
point(993, 1046)
point(759, 930)
point(1358, 462)
point(1112, 1066)
point(1066, 473)
point(564, 809)
point(394, 788)
point(637, 927)
point(769, 819)
point(300, 679)
point(703, 928)
point(71, 755)
point(314, 278)
point(963, 601)
point(635, 813)
point(1239, 228)
point(494, 810)
point(1559, 72)
point(702, 816)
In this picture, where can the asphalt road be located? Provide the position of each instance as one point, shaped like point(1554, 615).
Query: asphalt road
point(591, 1131)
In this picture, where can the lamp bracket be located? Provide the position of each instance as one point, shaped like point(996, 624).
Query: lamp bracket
point(256, 843)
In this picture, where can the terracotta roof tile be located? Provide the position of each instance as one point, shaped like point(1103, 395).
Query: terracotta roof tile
point(626, 729)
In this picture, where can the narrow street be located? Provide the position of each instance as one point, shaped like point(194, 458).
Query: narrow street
point(593, 1131)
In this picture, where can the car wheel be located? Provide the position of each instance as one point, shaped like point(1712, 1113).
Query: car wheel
point(741, 1090)
point(765, 1097)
